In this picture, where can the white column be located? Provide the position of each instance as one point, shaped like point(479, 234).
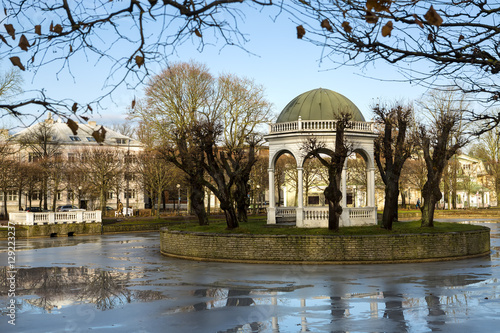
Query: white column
point(271, 211)
point(344, 187)
point(370, 188)
point(300, 199)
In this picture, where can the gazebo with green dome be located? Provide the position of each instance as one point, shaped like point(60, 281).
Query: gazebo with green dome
point(314, 113)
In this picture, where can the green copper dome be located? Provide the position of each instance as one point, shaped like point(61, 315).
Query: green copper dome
point(319, 104)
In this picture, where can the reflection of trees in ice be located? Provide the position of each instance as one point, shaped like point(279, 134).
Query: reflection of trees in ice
point(106, 290)
point(60, 286)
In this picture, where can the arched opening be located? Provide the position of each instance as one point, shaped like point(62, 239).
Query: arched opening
point(285, 187)
point(54, 234)
point(71, 234)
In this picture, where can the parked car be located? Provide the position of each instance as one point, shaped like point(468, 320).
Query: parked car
point(33, 209)
point(67, 208)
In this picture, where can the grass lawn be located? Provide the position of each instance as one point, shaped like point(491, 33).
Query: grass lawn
point(258, 226)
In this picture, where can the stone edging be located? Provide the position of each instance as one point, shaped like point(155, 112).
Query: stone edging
point(317, 249)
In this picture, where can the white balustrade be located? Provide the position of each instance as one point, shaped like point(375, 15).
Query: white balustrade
point(286, 211)
point(29, 218)
point(320, 125)
point(361, 212)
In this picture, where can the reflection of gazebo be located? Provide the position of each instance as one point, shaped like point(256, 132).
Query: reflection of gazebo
point(313, 113)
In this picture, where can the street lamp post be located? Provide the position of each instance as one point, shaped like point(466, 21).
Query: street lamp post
point(80, 197)
point(179, 198)
point(258, 198)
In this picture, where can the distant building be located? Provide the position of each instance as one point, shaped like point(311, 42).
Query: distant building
point(62, 143)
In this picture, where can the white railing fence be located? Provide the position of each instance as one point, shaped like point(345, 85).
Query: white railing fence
point(28, 218)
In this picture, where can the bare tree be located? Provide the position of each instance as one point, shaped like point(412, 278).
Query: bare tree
point(446, 109)
point(41, 147)
point(7, 167)
point(157, 175)
point(127, 36)
point(206, 124)
point(334, 164)
point(393, 147)
point(100, 167)
point(429, 42)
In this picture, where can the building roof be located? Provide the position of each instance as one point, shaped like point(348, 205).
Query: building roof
point(319, 104)
point(63, 134)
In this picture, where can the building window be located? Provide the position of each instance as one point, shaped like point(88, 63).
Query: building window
point(34, 195)
point(110, 195)
point(11, 196)
point(74, 138)
point(130, 194)
point(59, 195)
point(33, 157)
point(121, 141)
point(91, 139)
point(313, 200)
point(71, 195)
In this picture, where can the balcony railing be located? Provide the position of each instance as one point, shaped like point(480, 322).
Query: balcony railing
point(320, 126)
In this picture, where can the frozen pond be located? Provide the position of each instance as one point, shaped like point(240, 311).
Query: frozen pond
point(121, 283)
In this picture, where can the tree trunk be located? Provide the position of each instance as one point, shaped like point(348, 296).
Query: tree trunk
point(390, 204)
point(5, 214)
point(431, 195)
point(159, 195)
point(197, 197)
point(231, 219)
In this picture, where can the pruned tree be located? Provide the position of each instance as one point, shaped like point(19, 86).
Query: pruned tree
point(334, 164)
point(206, 124)
point(432, 43)
point(393, 147)
point(437, 148)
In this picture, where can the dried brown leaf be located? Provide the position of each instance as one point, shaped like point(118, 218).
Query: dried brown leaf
point(326, 25)
point(58, 29)
point(99, 135)
point(300, 31)
point(23, 43)
point(4, 40)
point(89, 108)
point(73, 126)
point(197, 33)
point(38, 30)
point(347, 27)
point(433, 17)
point(378, 5)
point(17, 62)
point(85, 118)
point(370, 17)
point(133, 103)
point(70, 48)
point(139, 60)
point(10, 30)
point(74, 108)
point(461, 38)
point(417, 21)
point(387, 29)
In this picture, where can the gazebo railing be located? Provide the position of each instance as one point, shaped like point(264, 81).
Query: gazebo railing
point(319, 125)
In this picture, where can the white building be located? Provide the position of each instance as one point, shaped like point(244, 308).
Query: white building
point(63, 143)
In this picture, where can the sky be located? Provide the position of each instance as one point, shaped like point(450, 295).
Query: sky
point(284, 65)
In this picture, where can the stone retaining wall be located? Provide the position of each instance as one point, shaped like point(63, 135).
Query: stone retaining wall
point(324, 249)
point(59, 230)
